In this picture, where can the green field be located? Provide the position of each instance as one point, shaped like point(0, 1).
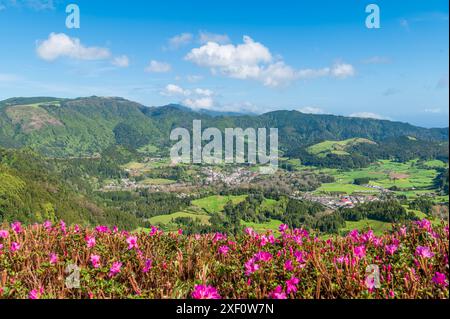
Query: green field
point(167, 219)
point(410, 177)
point(335, 147)
point(378, 227)
point(216, 203)
point(273, 224)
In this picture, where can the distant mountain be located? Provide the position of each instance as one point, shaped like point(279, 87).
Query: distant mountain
point(86, 126)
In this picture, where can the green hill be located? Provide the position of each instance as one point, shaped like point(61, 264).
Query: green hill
point(336, 147)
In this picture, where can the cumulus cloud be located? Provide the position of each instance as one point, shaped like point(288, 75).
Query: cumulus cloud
point(158, 67)
point(199, 103)
point(368, 115)
point(175, 90)
point(311, 110)
point(121, 61)
point(61, 45)
point(205, 37)
point(180, 40)
point(252, 60)
point(197, 99)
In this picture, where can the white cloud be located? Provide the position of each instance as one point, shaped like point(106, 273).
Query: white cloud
point(121, 61)
point(205, 37)
point(180, 40)
point(158, 67)
point(252, 60)
point(174, 90)
point(196, 99)
point(368, 115)
point(199, 103)
point(204, 92)
point(342, 70)
point(60, 45)
point(311, 110)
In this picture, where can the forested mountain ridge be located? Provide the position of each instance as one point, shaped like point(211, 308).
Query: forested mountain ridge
point(87, 126)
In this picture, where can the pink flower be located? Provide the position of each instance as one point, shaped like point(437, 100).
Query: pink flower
point(205, 292)
point(288, 265)
point(278, 293)
point(219, 237)
point(132, 242)
point(403, 231)
point(47, 225)
point(424, 252)
point(224, 250)
point(360, 251)
point(90, 241)
point(263, 256)
point(283, 228)
point(292, 285)
point(33, 295)
point(148, 266)
point(62, 224)
point(440, 279)
point(4, 234)
point(153, 231)
point(299, 256)
point(16, 227)
point(115, 269)
point(102, 229)
point(180, 232)
point(95, 261)
point(15, 246)
point(250, 267)
point(391, 249)
point(53, 258)
point(424, 224)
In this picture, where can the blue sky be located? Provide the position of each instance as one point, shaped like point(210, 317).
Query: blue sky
point(255, 56)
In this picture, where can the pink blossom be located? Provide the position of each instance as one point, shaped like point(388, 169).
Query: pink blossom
point(33, 295)
point(205, 292)
point(424, 224)
point(424, 252)
point(391, 249)
point(283, 228)
point(90, 241)
point(17, 227)
point(440, 279)
point(115, 269)
point(47, 225)
point(62, 224)
point(223, 250)
point(292, 285)
point(403, 231)
point(299, 256)
point(4, 234)
point(250, 267)
point(132, 242)
point(95, 261)
point(360, 251)
point(53, 258)
point(249, 231)
point(288, 265)
point(147, 266)
point(180, 232)
point(153, 231)
point(277, 293)
point(15, 246)
point(219, 237)
point(102, 229)
point(263, 256)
